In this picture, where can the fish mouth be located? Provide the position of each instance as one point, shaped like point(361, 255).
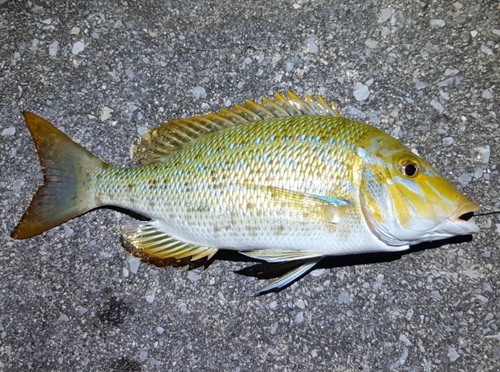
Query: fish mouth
point(464, 212)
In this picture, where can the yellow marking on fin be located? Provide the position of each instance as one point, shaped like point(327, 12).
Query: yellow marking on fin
point(147, 238)
point(169, 137)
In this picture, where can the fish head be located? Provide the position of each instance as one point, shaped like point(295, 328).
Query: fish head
point(405, 200)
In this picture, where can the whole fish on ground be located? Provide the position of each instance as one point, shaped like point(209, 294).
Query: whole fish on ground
point(286, 180)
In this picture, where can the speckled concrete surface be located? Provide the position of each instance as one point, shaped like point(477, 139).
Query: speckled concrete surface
point(104, 71)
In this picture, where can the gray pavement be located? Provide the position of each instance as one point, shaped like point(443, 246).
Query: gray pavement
point(104, 71)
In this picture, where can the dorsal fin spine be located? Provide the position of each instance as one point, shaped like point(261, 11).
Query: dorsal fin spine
point(159, 142)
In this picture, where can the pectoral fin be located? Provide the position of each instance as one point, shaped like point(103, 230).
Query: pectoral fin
point(323, 208)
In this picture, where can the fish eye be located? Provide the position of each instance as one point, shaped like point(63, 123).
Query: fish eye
point(409, 168)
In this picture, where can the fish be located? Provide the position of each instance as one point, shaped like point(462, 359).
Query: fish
point(287, 180)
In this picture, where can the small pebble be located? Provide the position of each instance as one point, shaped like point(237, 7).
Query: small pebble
point(68, 231)
point(447, 141)
point(409, 314)
point(150, 298)
point(78, 47)
point(344, 298)
point(453, 354)
point(487, 94)
point(451, 71)
point(372, 44)
point(446, 82)
point(437, 105)
point(193, 276)
point(299, 318)
point(143, 355)
point(75, 31)
point(130, 74)
point(379, 281)
point(486, 50)
point(470, 274)
point(17, 185)
point(274, 328)
point(317, 272)
point(404, 340)
point(199, 92)
point(483, 153)
point(134, 264)
point(435, 273)
point(142, 130)
point(464, 177)
point(155, 362)
point(483, 299)
point(444, 95)
point(312, 47)
point(436, 295)
point(105, 113)
point(420, 85)
point(159, 330)
point(354, 112)
point(374, 119)
point(53, 48)
point(437, 23)
point(361, 92)
point(82, 310)
point(486, 254)
point(300, 304)
point(9, 131)
point(385, 14)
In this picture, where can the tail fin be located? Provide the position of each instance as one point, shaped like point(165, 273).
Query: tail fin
point(68, 169)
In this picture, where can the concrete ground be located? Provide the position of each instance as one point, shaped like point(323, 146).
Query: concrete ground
point(73, 299)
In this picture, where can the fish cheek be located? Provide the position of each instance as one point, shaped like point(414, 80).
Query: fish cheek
point(374, 193)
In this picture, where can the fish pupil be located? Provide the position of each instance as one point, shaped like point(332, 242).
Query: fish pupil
point(410, 170)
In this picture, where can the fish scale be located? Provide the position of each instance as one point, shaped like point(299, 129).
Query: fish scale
point(287, 180)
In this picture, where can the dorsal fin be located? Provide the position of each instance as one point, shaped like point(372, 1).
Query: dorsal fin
point(172, 135)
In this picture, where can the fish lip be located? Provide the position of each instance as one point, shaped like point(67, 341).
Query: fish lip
point(461, 210)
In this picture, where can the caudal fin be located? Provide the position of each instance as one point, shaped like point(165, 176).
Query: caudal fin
point(68, 170)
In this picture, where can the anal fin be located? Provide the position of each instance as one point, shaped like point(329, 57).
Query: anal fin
point(146, 240)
